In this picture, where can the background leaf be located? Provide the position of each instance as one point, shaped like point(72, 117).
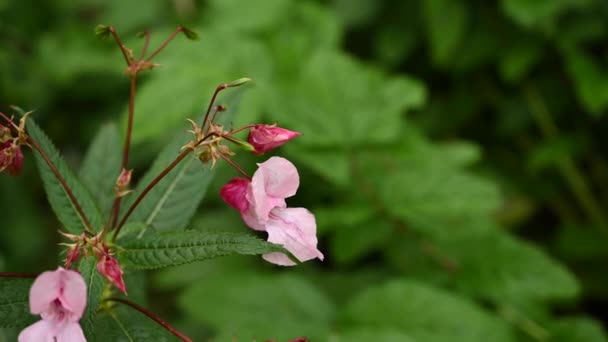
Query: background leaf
point(14, 303)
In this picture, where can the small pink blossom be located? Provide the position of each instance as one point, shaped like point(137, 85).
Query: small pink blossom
point(60, 298)
point(109, 267)
point(11, 158)
point(261, 203)
point(268, 137)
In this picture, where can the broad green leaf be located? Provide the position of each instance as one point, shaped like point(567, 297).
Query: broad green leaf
point(95, 285)
point(14, 303)
point(246, 16)
point(544, 13)
point(58, 198)
point(357, 106)
point(590, 81)
point(446, 22)
point(424, 313)
point(368, 335)
point(124, 324)
point(173, 201)
point(181, 247)
point(261, 307)
point(578, 329)
point(101, 166)
point(355, 241)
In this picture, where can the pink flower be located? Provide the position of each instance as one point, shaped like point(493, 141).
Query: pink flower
point(261, 203)
point(11, 158)
point(268, 137)
point(60, 298)
point(109, 267)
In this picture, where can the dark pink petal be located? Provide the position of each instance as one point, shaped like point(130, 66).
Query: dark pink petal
point(296, 230)
point(234, 193)
point(17, 163)
point(268, 137)
point(41, 331)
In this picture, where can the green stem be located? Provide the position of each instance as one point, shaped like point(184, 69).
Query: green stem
point(565, 164)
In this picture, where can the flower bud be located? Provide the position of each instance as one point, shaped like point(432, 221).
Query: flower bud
point(109, 267)
point(11, 158)
point(268, 137)
point(5, 134)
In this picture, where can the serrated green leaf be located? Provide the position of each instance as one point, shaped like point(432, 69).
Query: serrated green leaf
point(173, 201)
point(123, 324)
point(181, 247)
point(262, 307)
point(58, 198)
point(14, 303)
point(95, 284)
point(425, 313)
point(101, 166)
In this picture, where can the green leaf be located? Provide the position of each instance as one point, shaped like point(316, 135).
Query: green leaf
point(544, 13)
point(101, 166)
point(173, 201)
point(446, 22)
point(367, 335)
point(353, 242)
point(354, 91)
point(590, 81)
point(424, 313)
point(95, 285)
point(181, 247)
point(261, 307)
point(578, 329)
point(58, 198)
point(14, 303)
point(123, 324)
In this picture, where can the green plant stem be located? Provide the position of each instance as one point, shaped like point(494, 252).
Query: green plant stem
point(153, 317)
point(63, 183)
point(565, 164)
point(147, 189)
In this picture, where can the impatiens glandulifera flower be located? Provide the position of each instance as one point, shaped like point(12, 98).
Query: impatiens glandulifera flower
point(261, 203)
point(60, 298)
point(11, 158)
point(268, 137)
point(109, 267)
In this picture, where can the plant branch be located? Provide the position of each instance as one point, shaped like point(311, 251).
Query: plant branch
point(565, 164)
point(61, 180)
point(152, 184)
point(122, 47)
point(146, 43)
point(217, 91)
point(153, 317)
point(238, 168)
point(164, 44)
point(17, 275)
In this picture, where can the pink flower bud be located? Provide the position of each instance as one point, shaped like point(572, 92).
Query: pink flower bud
point(15, 167)
point(124, 179)
point(73, 255)
point(60, 298)
point(234, 193)
point(11, 158)
point(108, 267)
point(268, 137)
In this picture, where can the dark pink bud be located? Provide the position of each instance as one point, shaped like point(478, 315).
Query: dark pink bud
point(17, 163)
point(108, 267)
point(234, 193)
point(72, 256)
point(267, 137)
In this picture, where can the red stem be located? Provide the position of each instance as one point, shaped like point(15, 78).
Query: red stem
point(120, 45)
point(148, 188)
point(61, 180)
point(145, 48)
point(217, 90)
point(163, 45)
point(17, 275)
point(234, 165)
point(125, 155)
point(153, 317)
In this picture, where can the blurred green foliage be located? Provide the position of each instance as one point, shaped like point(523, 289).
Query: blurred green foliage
point(453, 152)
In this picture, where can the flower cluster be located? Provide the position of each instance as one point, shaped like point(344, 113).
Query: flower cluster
point(11, 157)
point(261, 202)
point(59, 297)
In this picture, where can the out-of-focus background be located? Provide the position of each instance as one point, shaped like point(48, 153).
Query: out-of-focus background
point(454, 153)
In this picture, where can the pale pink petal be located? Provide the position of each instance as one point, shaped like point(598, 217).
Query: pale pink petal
point(261, 202)
point(234, 193)
point(295, 229)
point(281, 177)
point(45, 289)
point(41, 331)
point(278, 259)
point(74, 296)
point(252, 220)
point(72, 332)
